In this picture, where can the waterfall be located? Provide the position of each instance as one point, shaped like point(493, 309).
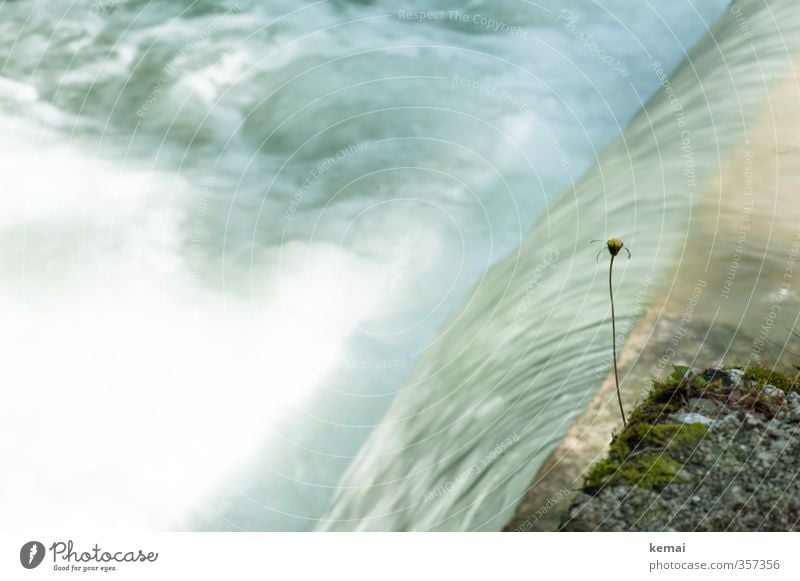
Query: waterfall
point(515, 368)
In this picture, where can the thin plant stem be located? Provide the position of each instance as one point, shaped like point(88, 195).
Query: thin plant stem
point(614, 340)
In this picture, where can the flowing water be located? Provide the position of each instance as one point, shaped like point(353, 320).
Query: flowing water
point(703, 188)
point(229, 230)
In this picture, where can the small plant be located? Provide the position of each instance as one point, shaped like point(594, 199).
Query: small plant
point(614, 245)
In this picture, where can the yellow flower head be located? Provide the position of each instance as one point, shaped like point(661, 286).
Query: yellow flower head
point(614, 246)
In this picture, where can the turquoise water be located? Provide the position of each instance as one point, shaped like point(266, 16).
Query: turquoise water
point(702, 188)
point(230, 230)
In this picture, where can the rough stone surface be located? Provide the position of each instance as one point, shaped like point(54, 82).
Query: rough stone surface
point(743, 474)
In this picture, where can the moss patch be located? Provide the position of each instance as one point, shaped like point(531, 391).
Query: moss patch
point(665, 398)
point(650, 452)
point(643, 454)
point(766, 375)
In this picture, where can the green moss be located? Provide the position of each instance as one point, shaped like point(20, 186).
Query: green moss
point(643, 454)
point(766, 375)
point(651, 450)
point(678, 373)
point(651, 471)
point(663, 435)
point(664, 399)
